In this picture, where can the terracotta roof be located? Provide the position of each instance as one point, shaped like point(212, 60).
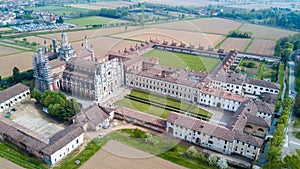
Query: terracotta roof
point(96, 114)
point(56, 63)
point(140, 116)
point(12, 92)
point(23, 135)
point(252, 119)
point(224, 94)
point(269, 98)
point(63, 138)
point(249, 139)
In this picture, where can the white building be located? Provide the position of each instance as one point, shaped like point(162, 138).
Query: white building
point(13, 95)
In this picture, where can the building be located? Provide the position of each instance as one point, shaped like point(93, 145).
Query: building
point(94, 117)
point(50, 150)
point(252, 102)
point(13, 95)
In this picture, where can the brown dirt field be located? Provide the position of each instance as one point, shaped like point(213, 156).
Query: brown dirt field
point(115, 155)
point(211, 25)
point(265, 32)
point(102, 45)
point(36, 39)
point(5, 29)
point(7, 50)
point(265, 47)
point(5, 164)
point(80, 35)
point(235, 43)
point(21, 60)
point(169, 35)
point(85, 6)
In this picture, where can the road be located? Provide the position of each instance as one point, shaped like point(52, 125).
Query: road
point(291, 143)
point(5, 164)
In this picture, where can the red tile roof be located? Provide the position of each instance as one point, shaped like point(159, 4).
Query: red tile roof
point(12, 92)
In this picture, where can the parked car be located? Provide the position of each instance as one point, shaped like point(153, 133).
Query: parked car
point(13, 109)
point(101, 135)
point(106, 125)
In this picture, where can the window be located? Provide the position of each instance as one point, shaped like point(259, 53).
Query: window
point(249, 126)
point(77, 141)
point(261, 130)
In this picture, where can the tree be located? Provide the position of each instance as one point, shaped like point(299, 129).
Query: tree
point(36, 95)
point(148, 138)
point(285, 54)
point(16, 75)
point(222, 163)
point(212, 159)
point(60, 20)
point(192, 152)
point(291, 161)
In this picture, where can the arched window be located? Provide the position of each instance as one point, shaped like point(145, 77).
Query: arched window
point(249, 126)
point(210, 142)
point(260, 129)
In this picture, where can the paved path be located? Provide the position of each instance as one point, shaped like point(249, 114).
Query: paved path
point(5, 164)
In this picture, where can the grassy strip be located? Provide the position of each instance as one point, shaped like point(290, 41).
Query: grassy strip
point(220, 43)
point(248, 45)
point(16, 155)
point(143, 107)
point(238, 28)
point(170, 102)
point(176, 155)
point(281, 82)
point(133, 40)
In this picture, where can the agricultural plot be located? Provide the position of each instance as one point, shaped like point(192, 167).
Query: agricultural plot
point(93, 20)
point(208, 25)
point(126, 157)
point(59, 10)
point(180, 60)
point(264, 32)
point(265, 47)
point(5, 29)
point(194, 38)
point(21, 60)
point(238, 44)
point(36, 39)
point(4, 50)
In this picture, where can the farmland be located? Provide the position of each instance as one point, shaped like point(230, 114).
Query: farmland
point(180, 60)
point(21, 60)
point(93, 20)
point(195, 38)
point(5, 50)
point(260, 46)
point(207, 25)
point(264, 32)
point(235, 43)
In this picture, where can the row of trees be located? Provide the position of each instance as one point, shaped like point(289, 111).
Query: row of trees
point(16, 78)
point(271, 16)
point(240, 34)
point(59, 107)
point(274, 157)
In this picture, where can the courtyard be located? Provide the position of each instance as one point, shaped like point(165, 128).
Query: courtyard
point(31, 116)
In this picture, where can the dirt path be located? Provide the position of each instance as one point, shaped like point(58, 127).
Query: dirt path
point(5, 164)
point(115, 155)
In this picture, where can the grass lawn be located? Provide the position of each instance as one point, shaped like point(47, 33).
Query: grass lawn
point(92, 20)
point(170, 102)
point(297, 122)
point(298, 135)
point(181, 60)
point(162, 148)
point(143, 107)
point(14, 154)
point(60, 10)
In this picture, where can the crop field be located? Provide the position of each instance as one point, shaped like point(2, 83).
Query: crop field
point(99, 5)
point(208, 25)
point(5, 29)
point(118, 155)
point(264, 32)
point(93, 20)
point(194, 38)
point(38, 40)
point(21, 60)
point(59, 10)
point(4, 50)
point(180, 60)
point(260, 46)
point(235, 43)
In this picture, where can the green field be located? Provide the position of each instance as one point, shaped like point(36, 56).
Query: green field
point(176, 154)
point(143, 107)
point(93, 20)
point(16, 155)
point(181, 60)
point(157, 111)
point(60, 10)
